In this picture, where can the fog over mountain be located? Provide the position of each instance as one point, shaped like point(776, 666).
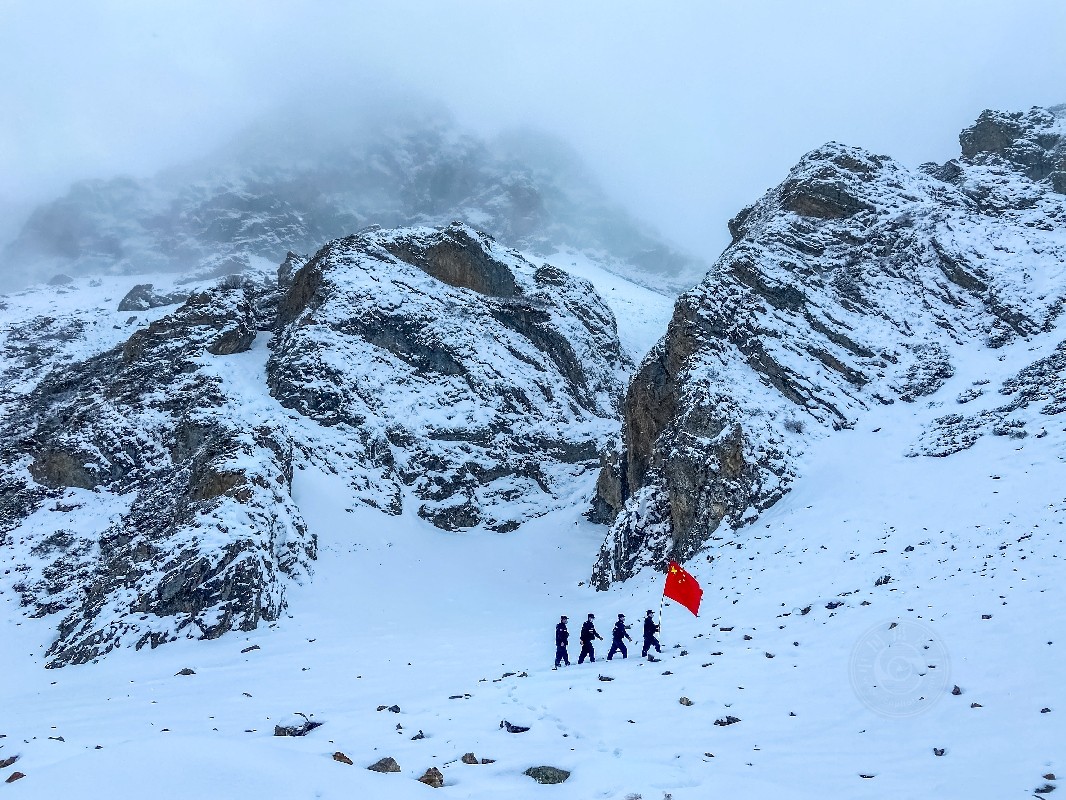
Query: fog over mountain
point(683, 114)
point(315, 171)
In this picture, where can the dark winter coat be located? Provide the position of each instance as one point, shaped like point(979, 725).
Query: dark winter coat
point(562, 635)
point(619, 632)
point(649, 628)
point(588, 632)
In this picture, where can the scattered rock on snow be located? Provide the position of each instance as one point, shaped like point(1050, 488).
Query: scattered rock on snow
point(976, 705)
point(339, 756)
point(387, 764)
point(1047, 788)
point(545, 774)
point(14, 776)
point(728, 720)
point(250, 649)
point(418, 735)
point(185, 671)
point(956, 690)
point(685, 701)
point(432, 777)
point(605, 677)
point(296, 728)
point(938, 751)
point(1045, 710)
point(7, 762)
point(513, 728)
point(469, 758)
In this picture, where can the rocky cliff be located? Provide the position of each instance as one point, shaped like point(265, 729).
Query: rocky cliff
point(855, 282)
point(146, 483)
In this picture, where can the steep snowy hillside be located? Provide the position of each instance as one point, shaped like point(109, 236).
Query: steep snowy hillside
point(147, 478)
point(292, 184)
point(834, 631)
point(853, 284)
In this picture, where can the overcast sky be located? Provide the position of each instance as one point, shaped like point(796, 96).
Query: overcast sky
point(686, 110)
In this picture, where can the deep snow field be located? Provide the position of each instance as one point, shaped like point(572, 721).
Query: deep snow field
point(458, 631)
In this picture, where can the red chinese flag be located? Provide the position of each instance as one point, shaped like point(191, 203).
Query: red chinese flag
point(683, 588)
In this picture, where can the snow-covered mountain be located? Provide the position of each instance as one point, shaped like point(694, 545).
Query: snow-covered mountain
point(855, 283)
point(148, 476)
point(294, 183)
point(864, 400)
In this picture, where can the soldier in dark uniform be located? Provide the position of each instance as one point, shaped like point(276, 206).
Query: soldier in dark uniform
point(562, 639)
point(588, 635)
point(649, 635)
point(617, 635)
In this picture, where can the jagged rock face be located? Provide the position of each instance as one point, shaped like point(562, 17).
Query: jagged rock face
point(1033, 142)
point(293, 194)
point(145, 483)
point(176, 519)
point(852, 283)
point(458, 371)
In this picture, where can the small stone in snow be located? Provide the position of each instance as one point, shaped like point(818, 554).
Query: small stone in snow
point(1045, 710)
point(185, 671)
point(339, 756)
point(956, 691)
point(14, 776)
point(938, 751)
point(685, 701)
point(387, 764)
point(432, 777)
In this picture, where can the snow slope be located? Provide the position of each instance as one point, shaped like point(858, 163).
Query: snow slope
point(398, 612)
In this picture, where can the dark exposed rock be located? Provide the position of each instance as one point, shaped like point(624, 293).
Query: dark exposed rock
point(342, 758)
point(387, 764)
point(7, 762)
point(14, 776)
point(727, 720)
point(507, 726)
point(432, 777)
point(297, 728)
point(185, 671)
point(469, 758)
point(786, 338)
point(547, 775)
point(685, 701)
point(1033, 142)
point(143, 297)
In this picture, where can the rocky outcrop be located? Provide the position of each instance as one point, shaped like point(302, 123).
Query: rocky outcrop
point(145, 483)
point(143, 297)
point(1032, 142)
point(174, 518)
point(854, 282)
point(452, 368)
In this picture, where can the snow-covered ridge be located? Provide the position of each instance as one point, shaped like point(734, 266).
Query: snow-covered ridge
point(147, 485)
point(856, 282)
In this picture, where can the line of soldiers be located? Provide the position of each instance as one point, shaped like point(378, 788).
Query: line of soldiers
point(619, 636)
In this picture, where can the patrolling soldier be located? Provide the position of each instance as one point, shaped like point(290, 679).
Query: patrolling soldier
point(617, 635)
point(562, 639)
point(650, 641)
point(588, 635)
